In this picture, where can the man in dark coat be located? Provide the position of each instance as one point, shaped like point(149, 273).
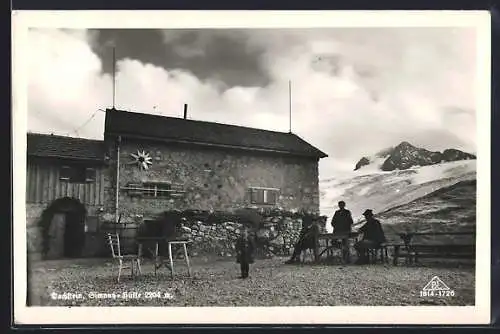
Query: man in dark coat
point(373, 236)
point(307, 238)
point(342, 220)
point(245, 247)
point(342, 225)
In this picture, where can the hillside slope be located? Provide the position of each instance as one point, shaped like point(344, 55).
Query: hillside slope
point(369, 188)
point(449, 209)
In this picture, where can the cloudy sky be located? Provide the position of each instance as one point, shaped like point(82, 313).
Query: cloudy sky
point(354, 91)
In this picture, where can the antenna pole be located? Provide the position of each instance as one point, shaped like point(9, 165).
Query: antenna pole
point(114, 77)
point(290, 106)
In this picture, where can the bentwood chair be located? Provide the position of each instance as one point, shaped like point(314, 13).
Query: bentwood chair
point(135, 261)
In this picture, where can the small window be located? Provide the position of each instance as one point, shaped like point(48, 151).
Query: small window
point(77, 174)
point(152, 190)
point(90, 174)
point(157, 189)
point(264, 196)
point(65, 173)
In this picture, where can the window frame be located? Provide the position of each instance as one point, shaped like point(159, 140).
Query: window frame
point(152, 190)
point(77, 174)
point(265, 195)
point(92, 177)
point(155, 188)
point(65, 176)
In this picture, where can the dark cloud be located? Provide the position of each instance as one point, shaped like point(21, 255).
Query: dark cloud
point(220, 55)
point(355, 91)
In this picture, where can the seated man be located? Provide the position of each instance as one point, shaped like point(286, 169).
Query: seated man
point(307, 238)
point(373, 236)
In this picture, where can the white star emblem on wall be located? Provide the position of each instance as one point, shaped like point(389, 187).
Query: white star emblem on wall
point(142, 159)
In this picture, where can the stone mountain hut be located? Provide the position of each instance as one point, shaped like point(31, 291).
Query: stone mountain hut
point(150, 164)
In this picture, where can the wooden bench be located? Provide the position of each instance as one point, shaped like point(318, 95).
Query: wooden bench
point(413, 251)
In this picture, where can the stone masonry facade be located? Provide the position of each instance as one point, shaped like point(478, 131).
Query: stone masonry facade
point(208, 179)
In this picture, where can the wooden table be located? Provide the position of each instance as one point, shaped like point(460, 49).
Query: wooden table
point(158, 261)
point(332, 240)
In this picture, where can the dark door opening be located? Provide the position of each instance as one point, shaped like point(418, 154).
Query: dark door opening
point(64, 228)
point(74, 234)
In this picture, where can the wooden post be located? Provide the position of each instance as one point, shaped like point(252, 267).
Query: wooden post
point(156, 257)
point(187, 259)
point(396, 255)
point(171, 259)
point(316, 245)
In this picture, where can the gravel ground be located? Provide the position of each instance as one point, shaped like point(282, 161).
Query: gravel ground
point(271, 283)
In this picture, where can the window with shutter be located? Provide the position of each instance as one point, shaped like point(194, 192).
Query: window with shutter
point(257, 196)
point(270, 196)
point(264, 196)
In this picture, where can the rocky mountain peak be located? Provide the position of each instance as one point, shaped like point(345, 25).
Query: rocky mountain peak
point(362, 162)
point(405, 145)
point(406, 155)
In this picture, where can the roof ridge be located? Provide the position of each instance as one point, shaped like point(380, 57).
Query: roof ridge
point(199, 121)
point(135, 123)
point(61, 136)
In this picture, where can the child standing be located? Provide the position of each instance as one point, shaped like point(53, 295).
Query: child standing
point(244, 248)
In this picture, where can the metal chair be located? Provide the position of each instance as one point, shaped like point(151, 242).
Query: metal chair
point(135, 261)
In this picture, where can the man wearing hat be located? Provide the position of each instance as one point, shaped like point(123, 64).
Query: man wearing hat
point(373, 236)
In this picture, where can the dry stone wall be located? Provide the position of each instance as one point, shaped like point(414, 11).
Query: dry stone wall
point(275, 235)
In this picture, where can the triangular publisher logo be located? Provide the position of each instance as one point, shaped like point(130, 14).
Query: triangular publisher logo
point(436, 284)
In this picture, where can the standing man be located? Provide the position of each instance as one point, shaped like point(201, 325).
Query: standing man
point(245, 248)
point(342, 220)
point(342, 225)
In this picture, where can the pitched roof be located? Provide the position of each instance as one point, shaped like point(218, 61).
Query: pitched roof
point(44, 145)
point(132, 124)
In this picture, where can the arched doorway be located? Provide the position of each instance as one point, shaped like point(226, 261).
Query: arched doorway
point(63, 226)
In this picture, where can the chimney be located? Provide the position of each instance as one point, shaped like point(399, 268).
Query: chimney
point(185, 110)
